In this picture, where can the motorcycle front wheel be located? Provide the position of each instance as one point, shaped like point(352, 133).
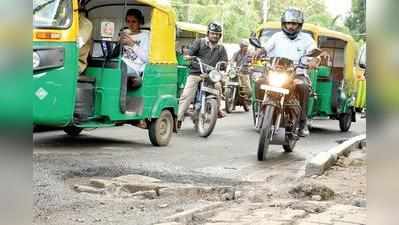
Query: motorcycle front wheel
point(265, 132)
point(207, 121)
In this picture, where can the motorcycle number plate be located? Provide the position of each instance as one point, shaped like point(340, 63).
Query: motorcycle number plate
point(275, 89)
point(232, 83)
point(210, 90)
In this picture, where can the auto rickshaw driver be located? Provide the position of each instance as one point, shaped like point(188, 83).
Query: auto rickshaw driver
point(85, 41)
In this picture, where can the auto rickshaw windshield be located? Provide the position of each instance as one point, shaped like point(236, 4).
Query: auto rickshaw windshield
point(52, 14)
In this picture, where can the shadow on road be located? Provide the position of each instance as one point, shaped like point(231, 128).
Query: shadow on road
point(84, 141)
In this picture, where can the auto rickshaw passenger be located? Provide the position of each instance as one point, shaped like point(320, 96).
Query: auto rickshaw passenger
point(241, 59)
point(291, 43)
point(135, 45)
point(84, 39)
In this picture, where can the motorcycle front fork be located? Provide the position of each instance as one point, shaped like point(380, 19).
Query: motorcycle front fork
point(278, 119)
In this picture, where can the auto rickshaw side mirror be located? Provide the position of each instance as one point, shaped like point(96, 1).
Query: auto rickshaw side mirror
point(363, 65)
point(255, 42)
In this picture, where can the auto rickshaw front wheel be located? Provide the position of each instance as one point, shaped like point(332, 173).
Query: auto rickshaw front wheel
point(161, 129)
point(73, 130)
point(345, 121)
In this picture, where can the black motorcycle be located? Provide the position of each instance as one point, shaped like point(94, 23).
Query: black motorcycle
point(205, 102)
point(234, 93)
point(280, 110)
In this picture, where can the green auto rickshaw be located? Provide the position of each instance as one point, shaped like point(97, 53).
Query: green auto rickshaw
point(361, 84)
point(101, 96)
point(333, 82)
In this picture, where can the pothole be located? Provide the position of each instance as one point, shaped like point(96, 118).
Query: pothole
point(143, 187)
point(165, 176)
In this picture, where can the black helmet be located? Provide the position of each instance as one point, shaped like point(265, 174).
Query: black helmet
point(215, 27)
point(292, 15)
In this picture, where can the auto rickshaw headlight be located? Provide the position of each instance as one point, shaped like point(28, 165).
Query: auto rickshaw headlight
point(215, 76)
point(277, 79)
point(36, 60)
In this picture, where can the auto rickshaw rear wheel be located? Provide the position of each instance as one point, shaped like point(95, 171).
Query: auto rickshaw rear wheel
point(160, 130)
point(345, 121)
point(73, 130)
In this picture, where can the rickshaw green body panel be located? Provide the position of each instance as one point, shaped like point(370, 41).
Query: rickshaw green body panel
point(183, 71)
point(55, 89)
point(55, 92)
point(322, 84)
point(158, 92)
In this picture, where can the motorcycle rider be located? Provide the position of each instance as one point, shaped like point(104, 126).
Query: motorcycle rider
point(210, 52)
point(292, 43)
point(241, 59)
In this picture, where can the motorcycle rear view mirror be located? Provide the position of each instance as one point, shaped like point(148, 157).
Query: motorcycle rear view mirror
point(314, 53)
point(255, 42)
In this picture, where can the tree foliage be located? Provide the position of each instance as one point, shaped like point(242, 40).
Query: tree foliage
point(309, 7)
point(356, 22)
point(241, 17)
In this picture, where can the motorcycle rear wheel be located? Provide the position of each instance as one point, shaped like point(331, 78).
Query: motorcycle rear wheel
point(265, 132)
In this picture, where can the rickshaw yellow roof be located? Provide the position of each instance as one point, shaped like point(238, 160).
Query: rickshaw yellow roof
point(311, 27)
point(158, 4)
point(197, 28)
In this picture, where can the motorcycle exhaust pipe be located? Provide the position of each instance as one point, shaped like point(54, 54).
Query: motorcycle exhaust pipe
point(279, 137)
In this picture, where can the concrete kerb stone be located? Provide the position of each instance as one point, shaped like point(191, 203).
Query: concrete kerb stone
point(324, 160)
point(187, 216)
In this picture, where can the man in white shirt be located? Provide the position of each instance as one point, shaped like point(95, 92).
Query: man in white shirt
point(291, 43)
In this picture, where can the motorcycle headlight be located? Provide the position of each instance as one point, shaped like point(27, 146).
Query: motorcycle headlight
point(277, 79)
point(215, 76)
point(36, 60)
point(232, 74)
point(257, 75)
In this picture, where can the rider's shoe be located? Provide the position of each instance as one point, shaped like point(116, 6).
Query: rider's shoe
point(304, 132)
point(221, 114)
point(303, 129)
point(179, 123)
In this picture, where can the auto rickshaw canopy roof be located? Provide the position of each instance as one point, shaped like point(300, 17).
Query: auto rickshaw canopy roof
point(157, 4)
point(162, 25)
point(192, 27)
point(317, 30)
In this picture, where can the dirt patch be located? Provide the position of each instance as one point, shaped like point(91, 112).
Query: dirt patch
point(347, 179)
point(311, 190)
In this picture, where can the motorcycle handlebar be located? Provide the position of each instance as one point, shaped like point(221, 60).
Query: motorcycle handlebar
point(208, 67)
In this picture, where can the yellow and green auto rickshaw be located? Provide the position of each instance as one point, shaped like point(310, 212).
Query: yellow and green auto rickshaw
point(102, 96)
point(333, 82)
point(361, 65)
